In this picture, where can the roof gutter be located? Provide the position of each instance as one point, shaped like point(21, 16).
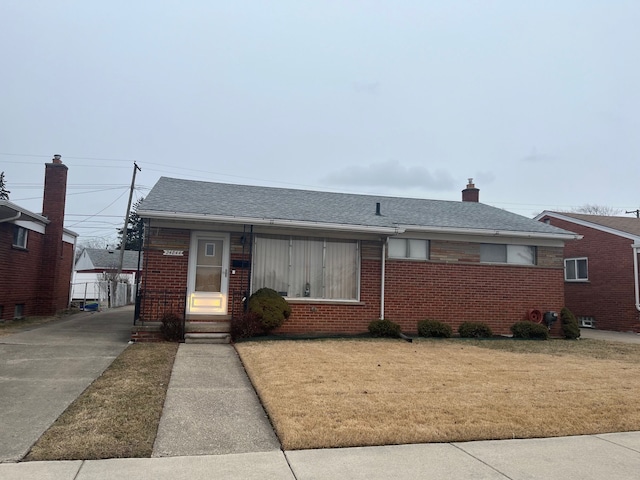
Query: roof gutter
point(495, 233)
point(270, 222)
point(10, 219)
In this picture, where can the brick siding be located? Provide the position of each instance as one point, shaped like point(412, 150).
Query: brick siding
point(454, 287)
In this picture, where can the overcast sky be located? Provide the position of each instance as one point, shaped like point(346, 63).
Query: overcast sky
point(538, 101)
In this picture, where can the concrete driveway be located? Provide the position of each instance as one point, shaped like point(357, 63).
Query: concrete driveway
point(43, 370)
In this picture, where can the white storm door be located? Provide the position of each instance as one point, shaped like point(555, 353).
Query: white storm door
point(208, 274)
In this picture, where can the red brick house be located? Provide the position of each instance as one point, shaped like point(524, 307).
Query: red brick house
point(342, 260)
point(601, 282)
point(36, 252)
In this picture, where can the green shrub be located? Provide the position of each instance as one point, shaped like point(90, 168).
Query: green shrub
point(384, 328)
point(270, 307)
point(245, 326)
point(530, 330)
point(434, 328)
point(569, 324)
point(475, 330)
point(171, 328)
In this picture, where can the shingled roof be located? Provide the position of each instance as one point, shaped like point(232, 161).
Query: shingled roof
point(101, 258)
point(173, 198)
point(628, 225)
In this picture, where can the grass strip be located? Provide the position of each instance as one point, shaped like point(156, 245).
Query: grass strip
point(117, 416)
point(343, 393)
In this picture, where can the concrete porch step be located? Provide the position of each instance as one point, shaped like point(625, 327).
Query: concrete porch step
point(207, 327)
point(207, 338)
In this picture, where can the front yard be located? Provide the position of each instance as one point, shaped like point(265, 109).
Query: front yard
point(339, 393)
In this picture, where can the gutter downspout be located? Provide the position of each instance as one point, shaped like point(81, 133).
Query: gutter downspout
point(384, 256)
point(636, 247)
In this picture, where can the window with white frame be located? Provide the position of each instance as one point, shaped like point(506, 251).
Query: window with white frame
point(576, 270)
point(300, 267)
point(586, 321)
point(513, 254)
point(411, 248)
point(19, 237)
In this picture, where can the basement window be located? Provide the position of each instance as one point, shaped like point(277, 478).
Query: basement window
point(19, 237)
point(576, 270)
point(18, 311)
point(588, 322)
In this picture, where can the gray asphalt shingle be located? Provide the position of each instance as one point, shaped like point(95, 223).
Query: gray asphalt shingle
point(178, 196)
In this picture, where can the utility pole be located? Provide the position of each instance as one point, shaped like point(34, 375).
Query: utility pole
point(636, 211)
point(136, 168)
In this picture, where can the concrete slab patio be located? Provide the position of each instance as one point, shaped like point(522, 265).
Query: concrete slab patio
point(211, 407)
point(43, 371)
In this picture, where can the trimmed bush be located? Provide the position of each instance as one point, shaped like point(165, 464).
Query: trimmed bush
point(171, 328)
point(384, 328)
point(475, 330)
point(530, 330)
point(245, 326)
point(434, 328)
point(270, 307)
point(569, 324)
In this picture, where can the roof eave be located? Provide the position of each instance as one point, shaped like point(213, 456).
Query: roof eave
point(490, 232)
point(585, 223)
point(276, 222)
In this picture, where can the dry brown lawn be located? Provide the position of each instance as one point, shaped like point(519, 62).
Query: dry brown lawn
point(338, 393)
point(118, 414)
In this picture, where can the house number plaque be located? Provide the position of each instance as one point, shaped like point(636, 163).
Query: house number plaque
point(174, 253)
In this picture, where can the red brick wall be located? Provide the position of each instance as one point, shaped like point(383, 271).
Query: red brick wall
point(164, 277)
point(20, 272)
point(609, 295)
point(454, 289)
point(454, 293)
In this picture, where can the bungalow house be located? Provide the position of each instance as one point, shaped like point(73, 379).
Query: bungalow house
point(36, 252)
point(342, 260)
point(601, 270)
point(95, 267)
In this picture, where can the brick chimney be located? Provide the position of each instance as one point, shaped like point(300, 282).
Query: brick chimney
point(471, 193)
point(52, 286)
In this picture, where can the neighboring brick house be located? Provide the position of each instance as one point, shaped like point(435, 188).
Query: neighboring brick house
point(342, 260)
point(601, 286)
point(36, 252)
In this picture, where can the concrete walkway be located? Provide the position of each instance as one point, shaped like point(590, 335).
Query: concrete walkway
point(624, 337)
point(612, 456)
point(211, 407)
point(44, 369)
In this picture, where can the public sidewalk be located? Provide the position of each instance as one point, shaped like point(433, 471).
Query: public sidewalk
point(613, 456)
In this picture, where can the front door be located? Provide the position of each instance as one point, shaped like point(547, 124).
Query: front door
point(208, 274)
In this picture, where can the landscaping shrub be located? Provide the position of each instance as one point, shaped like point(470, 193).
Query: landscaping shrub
point(384, 328)
point(171, 328)
point(246, 325)
point(434, 328)
point(475, 330)
point(270, 307)
point(530, 330)
point(569, 324)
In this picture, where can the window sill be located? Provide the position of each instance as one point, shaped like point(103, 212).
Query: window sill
point(576, 281)
point(18, 247)
point(324, 301)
